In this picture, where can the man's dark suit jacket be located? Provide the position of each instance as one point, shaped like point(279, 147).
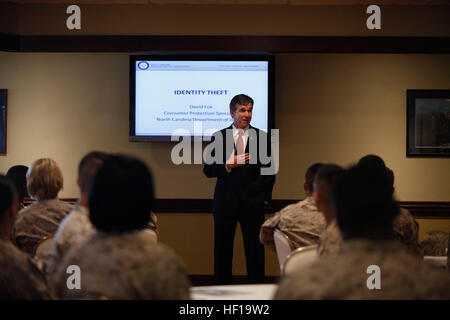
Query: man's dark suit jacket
point(244, 185)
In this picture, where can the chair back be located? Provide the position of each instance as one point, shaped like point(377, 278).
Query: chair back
point(299, 258)
point(282, 246)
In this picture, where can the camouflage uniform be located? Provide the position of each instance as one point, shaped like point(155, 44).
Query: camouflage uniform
point(330, 240)
point(405, 229)
point(19, 277)
point(301, 222)
point(345, 275)
point(38, 222)
point(435, 244)
point(74, 230)
point(123, 266)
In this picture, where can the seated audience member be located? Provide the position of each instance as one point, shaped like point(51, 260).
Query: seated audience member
point(364, 210)
point(18, 175)
point(40, 220)
point(19, 276)
point(76, 227)
point(301, 222)
point(330, 239)
point(121, 260)
point(436, 244)
point(406, 228)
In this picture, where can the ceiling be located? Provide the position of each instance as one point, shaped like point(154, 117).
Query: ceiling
point(241, 2)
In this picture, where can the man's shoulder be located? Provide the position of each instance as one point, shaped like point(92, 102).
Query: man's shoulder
point(304, 206)
point(75, 223)
point(10, 253)
point(222, 132)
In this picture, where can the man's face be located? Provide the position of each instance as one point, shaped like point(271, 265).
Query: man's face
point(242, 116)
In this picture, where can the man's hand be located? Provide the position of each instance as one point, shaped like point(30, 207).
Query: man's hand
point(237, 161)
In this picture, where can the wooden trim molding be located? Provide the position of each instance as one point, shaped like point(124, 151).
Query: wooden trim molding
point(419, 209)
point(269, 44)
point(9, 42)
point(423, 209)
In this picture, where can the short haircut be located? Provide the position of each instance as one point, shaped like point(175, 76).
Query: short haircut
point(240, 99)
point(121, 195)
point(363, 203)
point(44, 179)
point(325, 179)
point(88, 168)
point(7, 195)
point(310, 175)
point(375, 163)
point(18, 175)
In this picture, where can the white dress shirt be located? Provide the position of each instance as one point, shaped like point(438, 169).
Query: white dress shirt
point(244, 135)
point(236, 136)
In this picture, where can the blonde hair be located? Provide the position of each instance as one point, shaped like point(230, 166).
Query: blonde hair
point(44, 179)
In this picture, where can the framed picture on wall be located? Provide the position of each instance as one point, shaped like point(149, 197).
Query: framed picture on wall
point(3, 103)
point(428, 123)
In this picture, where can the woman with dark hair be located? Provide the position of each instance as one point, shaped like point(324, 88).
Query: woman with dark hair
point(122, 259)
point(406, 228)
point(18, 175)
point(19, 277)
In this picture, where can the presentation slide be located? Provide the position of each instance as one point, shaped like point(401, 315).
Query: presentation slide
point(193, 97)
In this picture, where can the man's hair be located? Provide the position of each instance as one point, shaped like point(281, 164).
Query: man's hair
point(372, 162)
point(18, 176)
point(88, 167)
point(325, 179)
point(44, 179)
point(363, 203)
point(7, 195)
point(240, 99)
point(310, 175)
point(121, 195)
point(375, 163)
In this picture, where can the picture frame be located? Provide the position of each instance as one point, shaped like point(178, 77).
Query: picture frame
point(428, 123)
point(3, 113)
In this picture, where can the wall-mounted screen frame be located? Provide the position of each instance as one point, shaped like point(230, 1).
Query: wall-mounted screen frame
point(196, 89)
point(428, 123)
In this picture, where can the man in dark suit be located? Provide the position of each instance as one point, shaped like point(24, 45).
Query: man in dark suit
point(238, 156)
